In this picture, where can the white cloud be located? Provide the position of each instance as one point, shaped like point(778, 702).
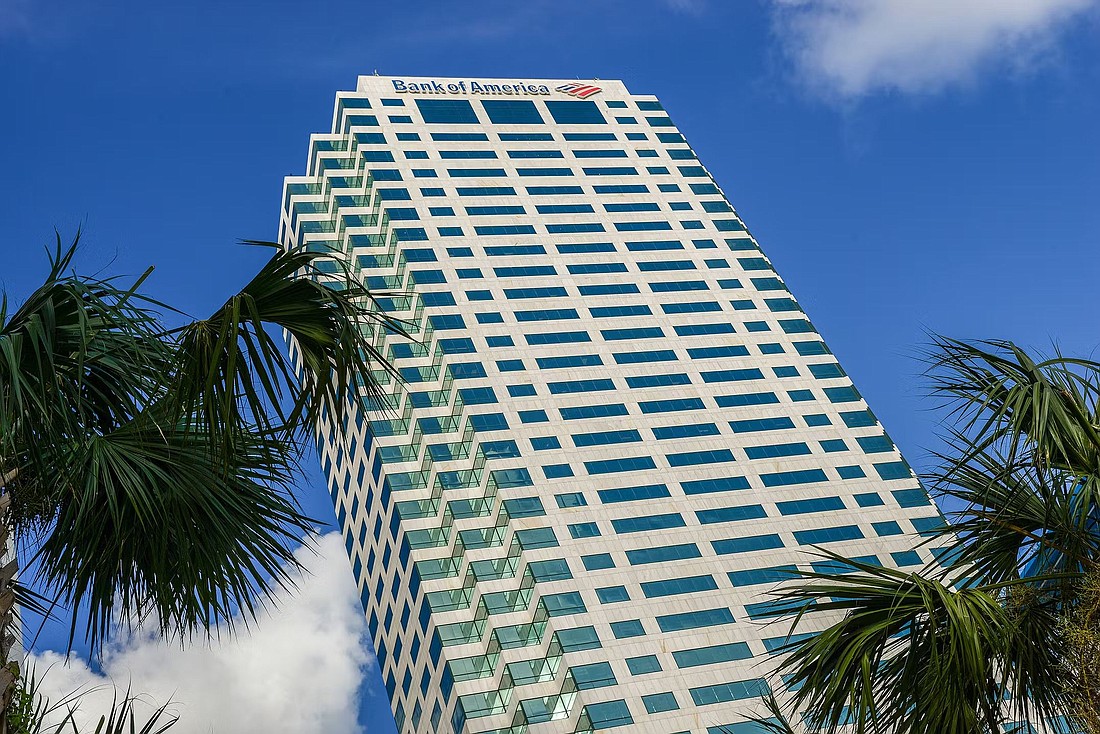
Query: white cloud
point(297, 670)
point(849, 48)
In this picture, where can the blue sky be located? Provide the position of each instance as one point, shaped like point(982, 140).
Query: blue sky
point(909, 167)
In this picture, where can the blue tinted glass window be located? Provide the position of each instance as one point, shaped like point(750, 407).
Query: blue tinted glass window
point(695, 620)
point(447, 111)
point(730, 514)
point(598, 561)
point(663, 554)
point(575, 112)
point(512, 111)
point(648, 523)
point(674, 587)
point(746, 544)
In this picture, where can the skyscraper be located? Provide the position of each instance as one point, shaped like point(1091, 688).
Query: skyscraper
point(616, 431)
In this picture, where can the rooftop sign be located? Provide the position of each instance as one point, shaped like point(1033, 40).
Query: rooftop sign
point(400, 86)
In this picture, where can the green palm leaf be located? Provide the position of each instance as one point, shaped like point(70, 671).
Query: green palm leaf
point(150, 467)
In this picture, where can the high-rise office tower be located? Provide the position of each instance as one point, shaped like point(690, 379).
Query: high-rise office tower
point(616, 431)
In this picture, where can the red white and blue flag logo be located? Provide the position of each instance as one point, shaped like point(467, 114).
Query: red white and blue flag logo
point(579, 89)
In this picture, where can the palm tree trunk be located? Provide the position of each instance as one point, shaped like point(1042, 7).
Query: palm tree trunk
point(9, 669)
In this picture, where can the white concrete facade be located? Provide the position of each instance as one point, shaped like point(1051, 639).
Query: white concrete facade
point(618, 428)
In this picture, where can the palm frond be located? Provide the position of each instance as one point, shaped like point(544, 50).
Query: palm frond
point(152, 467)
point(910, 653)
point(230, 368)
point(31, 712)
point(79, 355)
point(155, 520)
point(1017, 522)
point(1000, 395)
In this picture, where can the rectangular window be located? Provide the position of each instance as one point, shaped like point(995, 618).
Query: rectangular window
point(757, 398)
point(558, 337)
point(580, 112)
point(726, 653)
point(647, 523)
point(512, 112)
point(534, 154)
point(629, 494)
point(626, 629)
point(589, 137)
point(695, 620)
point(886, 528)
point(588, 248)
point(608, 289)
point(696, 458)
point(447, 111)
point(893, 470)
point(788, 478)
point(656, 703)
point(730, 514)
point(679, 286)
point(671, 405)
point(606, 438)
point(622, 189)
point(692, 430)
point(612, 594)
point(746, 544)
point(761, 424)
point(546, 314)
point(828, 535)
point(663, 554)
point(569, 602)
point(492, 210)
point(611, 466)
point(537, 538)
point(911, 497)
point(556, 569)
point(459, 137)
point(577, 386)
point(524, 507)
point(775, 451)
point(711, 486)
point(603, 312)
point(476, 172)
point(806, 506)
point(504, 229)
point(486, 191)
point(675, 587)
point(461, 154)
point(658, 380)
point(733, 375)
point(598, 561)
point(593, 411)
point(875, 444)
point(519, 137)
point(578, 638)
point(579, 360)
point(704, 330)
point(643, 664)
point(732, 691)
point(584, 530)
point(554, 190)
point(574, 228)
point(641, 332)
point(564, 208)
point(593, 675)
point(544, 292)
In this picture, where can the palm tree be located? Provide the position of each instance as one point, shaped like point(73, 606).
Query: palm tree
point(145, 468)
point(1004, 630)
